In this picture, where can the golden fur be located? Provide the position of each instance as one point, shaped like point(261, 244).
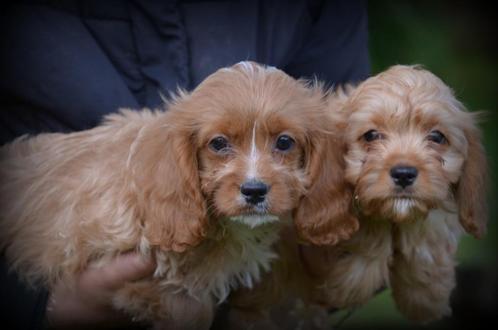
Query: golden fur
point(291, 295)
point(407, 239)
point(149, 181)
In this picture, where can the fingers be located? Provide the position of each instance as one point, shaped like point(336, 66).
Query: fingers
point(88, 303)
point(124, 268)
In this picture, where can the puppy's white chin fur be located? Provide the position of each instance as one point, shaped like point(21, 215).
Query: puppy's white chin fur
point(254, 220)
point(403, 205)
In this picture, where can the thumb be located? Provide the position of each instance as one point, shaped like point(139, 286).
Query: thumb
point(124, 268)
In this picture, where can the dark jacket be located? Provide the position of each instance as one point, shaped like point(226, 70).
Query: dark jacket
point(65, 64)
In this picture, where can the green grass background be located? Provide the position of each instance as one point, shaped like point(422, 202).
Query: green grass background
point(457, 41)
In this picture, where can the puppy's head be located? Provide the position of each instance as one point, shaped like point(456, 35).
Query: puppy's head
point(413, 147)
point(250, 144)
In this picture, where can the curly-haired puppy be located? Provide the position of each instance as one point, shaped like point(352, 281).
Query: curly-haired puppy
point(290, 295)
point(200, 187)
point(415, 159)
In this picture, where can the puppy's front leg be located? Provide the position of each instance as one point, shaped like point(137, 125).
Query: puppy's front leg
point(422, 274)
point(358, 267)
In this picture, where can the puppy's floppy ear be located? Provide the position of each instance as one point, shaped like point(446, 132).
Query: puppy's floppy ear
point(471, 190)
point(323, 216)
point(165, 173)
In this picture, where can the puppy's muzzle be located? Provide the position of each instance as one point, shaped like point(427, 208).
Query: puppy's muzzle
point(404, 176)
point(254, 191)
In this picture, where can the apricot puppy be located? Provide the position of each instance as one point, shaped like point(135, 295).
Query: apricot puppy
point(419, 171)
point(201, 187)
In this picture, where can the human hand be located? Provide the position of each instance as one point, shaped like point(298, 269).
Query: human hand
point(88, 303)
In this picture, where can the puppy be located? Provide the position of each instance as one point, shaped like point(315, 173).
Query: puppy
point(201, 187)
point(290, 296)
point(419, 171)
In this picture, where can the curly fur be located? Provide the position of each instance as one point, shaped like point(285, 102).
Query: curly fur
point(408, 239)
point(291, 296)
point(148, 181)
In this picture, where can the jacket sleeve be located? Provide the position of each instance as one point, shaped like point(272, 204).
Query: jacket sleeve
point(21, 307)
point(54, 76)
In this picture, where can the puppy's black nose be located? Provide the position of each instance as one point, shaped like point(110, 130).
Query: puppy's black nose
point(254, 191)
point(404, 175)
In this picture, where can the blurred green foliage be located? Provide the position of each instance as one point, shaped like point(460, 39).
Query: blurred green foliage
point(457, 41)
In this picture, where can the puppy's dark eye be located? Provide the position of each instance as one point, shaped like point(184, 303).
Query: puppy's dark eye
point(436, 137)
point(372, 135)
point(219, 144)
point(284, 143)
